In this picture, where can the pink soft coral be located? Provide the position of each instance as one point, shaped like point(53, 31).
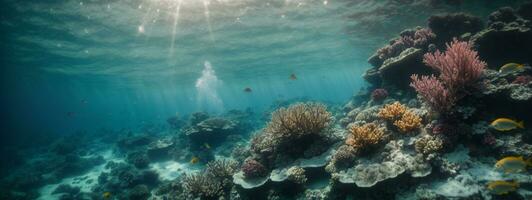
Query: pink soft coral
point(459, 66)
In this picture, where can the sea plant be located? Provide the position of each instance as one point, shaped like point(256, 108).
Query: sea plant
point(459, 69)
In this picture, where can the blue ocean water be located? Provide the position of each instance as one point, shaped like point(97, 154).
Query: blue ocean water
point(86, 65)
point(116, 64)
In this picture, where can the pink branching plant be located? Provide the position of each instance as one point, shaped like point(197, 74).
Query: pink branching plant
point(459, 66)
point(433, 92)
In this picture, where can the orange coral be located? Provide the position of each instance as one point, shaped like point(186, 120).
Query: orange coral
point(365, 135)
point(392, 111)
point(404, 119)
point(408, 122)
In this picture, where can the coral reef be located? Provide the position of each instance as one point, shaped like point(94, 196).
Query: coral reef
point(305, 124)
point(201, 186)
point(297, 175)
point(454, 25)
point(379, 94)
point(506, 30)
point(392, 111)
point(404, 119)
point(365, 136)
point(428, 144)
point(253, 169)
point(408, 122)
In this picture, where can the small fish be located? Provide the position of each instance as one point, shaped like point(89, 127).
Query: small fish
point(248, 90)
point(84, 101)
point(194, 160)
point(505, 124)
point(107, 195)
point(511, 67)
point(293, 77)
point(512, 164)
point(70, 114)
point(502, 187)
point(207, 146)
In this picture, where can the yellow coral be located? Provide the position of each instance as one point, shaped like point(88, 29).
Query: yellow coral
point(408, 122)
point(365, 135)
point(392, 111)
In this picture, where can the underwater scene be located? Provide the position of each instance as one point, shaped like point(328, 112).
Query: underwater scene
point(266, 99)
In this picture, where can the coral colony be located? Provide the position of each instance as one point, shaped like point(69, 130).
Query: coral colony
point(425, 129)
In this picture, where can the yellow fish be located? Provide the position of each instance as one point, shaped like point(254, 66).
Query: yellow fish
point(505, 124)
point(511, 67)
point(502, 187)
point(207, 146)
point(107, 195)
point(512, 164)
point(194, 160)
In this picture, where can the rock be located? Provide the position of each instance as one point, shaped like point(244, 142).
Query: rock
point(505, 98)
point(448, 26)
point(525, 10)
point(283, 174)
point(138, 159)
point(135, 142)
point(504, 42)
point(373, 76)
point(504, 15)
point(397, 161)
point(211, 130)
point(396, 71)
point(67, 189)
point(160, 149)
point(139, 192)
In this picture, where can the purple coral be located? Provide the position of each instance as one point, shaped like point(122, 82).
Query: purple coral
point(423, 36)
point(420, 38)
point(522, 80)
point(379, 94)
point(253, 169)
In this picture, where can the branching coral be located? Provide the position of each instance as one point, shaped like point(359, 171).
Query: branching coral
point(433, 92)
point(202, 185)
point(428, 144)
point(460, 68)
point(408, 122)
point(299, 119)
point(304, 124)
point(365, 136)
point(211, 183)
point(404, 119)
point(222, 168)
point(392, 111)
